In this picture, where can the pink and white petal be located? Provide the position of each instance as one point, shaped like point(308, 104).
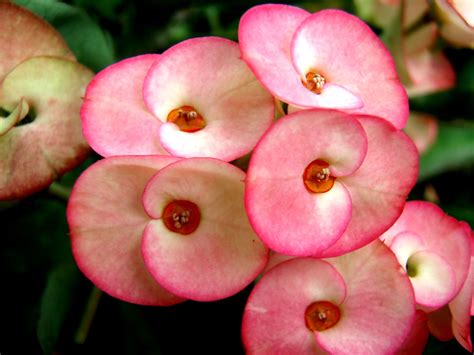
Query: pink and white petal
point(380, 186)
point(114, 117)
point(441, 233)
point(24, 35)
point(289, 218)
point(418, 336)
point(337, 45)
point(33, 155)
point(209, 75)
point(429, 72)
point(265, 34)
point(223, 255)
point(332, 136)
point(433, 279)
point(106, 221)
point(373, 319)
point(405, 245)
point(274, 317)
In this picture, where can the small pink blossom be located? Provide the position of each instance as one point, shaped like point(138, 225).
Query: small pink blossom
point(328, 59)
point(323, 182)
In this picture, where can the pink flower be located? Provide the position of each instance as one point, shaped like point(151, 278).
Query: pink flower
point(356, 303)
point(41, 88)
point(199, 99)
point(328, 59)
point(457, 21)
point(323, 182)
point(156, 230)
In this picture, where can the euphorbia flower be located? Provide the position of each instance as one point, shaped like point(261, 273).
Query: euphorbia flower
point(114, 116)
point(140, 218)
point(358, 303)
point(203, 101)
point(324, 182)
point(434, 249)
point(328, 59)
point(40, 89)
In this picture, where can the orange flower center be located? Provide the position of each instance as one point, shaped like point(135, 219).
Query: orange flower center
point(321, 315)
point(187, 119)
point(314, 82)
point(317, 177)
point(181, 216)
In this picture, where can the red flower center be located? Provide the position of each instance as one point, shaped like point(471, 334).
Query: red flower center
point(317, 177)
point(321, 315)
point(181, 216)
point(314, 82)
point(187, 119)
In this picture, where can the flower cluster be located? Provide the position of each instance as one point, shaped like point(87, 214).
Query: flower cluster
point(347, 265)
point(41, 86)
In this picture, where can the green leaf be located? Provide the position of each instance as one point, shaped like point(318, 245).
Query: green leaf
point(55, 304)
point(454, 148)
point(92, 46)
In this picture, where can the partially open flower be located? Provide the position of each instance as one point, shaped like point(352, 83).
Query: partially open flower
point(434, 249)
point(40, 95)
point(358, 303)
point(329, 59)
point(207, 99)
point(155, 230)
point(323, 182)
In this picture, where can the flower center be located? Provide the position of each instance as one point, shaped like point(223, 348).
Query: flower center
point(314, 82)
point(187, 119)
point(181, 216)
point(317, 177)
point(321, 315)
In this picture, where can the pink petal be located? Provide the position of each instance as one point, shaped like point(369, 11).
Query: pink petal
point(106, 220)
point(380, 186)
point(439, 324)
point(265, 35)
point(24, 35)
point(35, 154)
point(223, 255)
point(289, 218)
point(374, 319)
point(422, 129)
point(114, 117)
point(429, 72)
point(347, 53)
point(209, 75)
point(274, 317)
